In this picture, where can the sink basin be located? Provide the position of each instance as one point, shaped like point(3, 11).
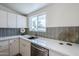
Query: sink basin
point(32, 37)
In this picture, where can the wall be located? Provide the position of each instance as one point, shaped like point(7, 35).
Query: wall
point(7, 9)
point(8, 31)
point(62, 22)
point(59, 15)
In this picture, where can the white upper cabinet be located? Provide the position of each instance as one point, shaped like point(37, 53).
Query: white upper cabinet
point(21, 21)
point(3, 19)
point(11, 20)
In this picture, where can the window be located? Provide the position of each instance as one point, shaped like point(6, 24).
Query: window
point(38, 23)
point(33, 24)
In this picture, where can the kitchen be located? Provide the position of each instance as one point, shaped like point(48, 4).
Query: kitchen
point(39, 29)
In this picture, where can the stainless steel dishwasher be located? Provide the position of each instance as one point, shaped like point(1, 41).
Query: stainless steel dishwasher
point(37, 50)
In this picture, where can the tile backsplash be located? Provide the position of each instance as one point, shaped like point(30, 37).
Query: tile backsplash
point(9, 32)
point(69, 34)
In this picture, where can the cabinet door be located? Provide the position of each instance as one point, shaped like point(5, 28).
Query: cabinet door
point(54, 53)
point(11, 20)
point(4, 48)
point(25, 47)
point(14, 47)
point(3, 19)
point(21, 21)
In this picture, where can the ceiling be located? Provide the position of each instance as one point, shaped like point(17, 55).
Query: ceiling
point(24, 8)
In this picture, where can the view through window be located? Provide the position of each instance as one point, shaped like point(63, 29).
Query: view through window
point(38, 23)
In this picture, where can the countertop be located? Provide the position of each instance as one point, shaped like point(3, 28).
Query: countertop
point(50, 44)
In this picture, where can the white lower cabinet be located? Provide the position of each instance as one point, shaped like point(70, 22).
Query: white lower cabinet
point(4, 48)
point(25, 47)
point(14, 46)
point(55, 53)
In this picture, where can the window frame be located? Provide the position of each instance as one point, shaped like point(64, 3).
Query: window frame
point(37, 15)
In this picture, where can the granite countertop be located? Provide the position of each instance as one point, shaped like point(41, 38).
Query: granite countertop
point(51, 44)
